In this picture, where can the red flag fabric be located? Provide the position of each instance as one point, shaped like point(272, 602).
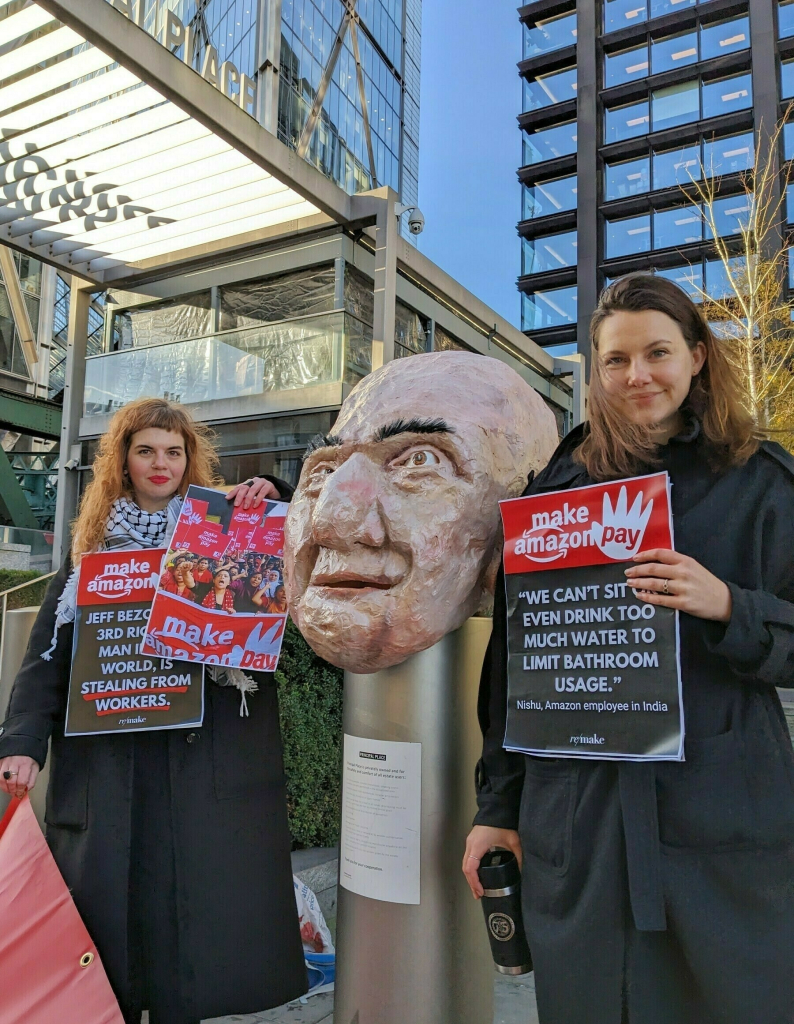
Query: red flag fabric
point(50, 971)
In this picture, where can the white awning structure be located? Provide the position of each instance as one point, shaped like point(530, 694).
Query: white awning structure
point(109, 176)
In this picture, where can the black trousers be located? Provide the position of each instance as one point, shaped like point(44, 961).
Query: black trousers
point(160, 980)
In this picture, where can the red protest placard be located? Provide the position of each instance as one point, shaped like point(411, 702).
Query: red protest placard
point(593, 671)
point(190, 632)
point(596, 525)
point(220, 597)
point(113, 686)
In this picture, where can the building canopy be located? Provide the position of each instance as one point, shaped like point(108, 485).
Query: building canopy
point(117, 158)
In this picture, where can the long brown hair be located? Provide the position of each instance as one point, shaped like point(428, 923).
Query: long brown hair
point(110, 480)
point(615, 448)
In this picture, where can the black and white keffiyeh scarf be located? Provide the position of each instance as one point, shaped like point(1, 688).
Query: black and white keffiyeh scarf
point(129, 527)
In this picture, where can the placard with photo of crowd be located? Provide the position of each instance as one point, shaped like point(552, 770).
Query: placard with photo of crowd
point(220, 599)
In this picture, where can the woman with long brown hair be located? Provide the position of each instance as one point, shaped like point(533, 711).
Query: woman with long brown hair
point(174, 843)
point(663, 892)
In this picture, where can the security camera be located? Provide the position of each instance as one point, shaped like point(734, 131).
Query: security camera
point(72, 463)
point(416, 220)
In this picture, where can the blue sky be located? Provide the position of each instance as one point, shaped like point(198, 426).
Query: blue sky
point(470, 146)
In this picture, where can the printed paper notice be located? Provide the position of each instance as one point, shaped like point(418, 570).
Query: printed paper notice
point(381, 811)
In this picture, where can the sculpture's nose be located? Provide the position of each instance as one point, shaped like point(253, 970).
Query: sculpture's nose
point(348, 511)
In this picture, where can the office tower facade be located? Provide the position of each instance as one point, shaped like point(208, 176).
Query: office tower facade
point(348, 77)
point(625, 101)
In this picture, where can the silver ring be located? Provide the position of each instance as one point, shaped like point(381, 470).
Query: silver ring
point(7, 775)
point(666, 589)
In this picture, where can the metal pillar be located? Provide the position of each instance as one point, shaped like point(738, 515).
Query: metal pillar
point(763, 47)
point(428, 963)
point(387, 234)
point(74, 386)
point(268, 57)
point(45, 328)
point(586, 162)
point(574, 366)
point(19, 310)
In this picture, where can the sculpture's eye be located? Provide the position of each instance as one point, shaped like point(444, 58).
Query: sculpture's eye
point(420, 458)
point(319, 473)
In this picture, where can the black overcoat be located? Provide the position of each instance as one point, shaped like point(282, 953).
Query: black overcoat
point(663, 893)
point(238, 946)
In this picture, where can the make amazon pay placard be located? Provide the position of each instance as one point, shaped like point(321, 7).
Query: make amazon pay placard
point(593, 671)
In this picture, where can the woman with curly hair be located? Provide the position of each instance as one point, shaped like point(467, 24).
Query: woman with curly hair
point(174, 843)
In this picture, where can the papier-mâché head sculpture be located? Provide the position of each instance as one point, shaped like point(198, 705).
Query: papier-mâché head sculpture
point(391, 537)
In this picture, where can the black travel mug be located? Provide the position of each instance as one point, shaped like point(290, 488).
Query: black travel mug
point(501, 903)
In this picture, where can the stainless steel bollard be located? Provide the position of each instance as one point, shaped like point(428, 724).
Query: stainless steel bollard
point(428, 963)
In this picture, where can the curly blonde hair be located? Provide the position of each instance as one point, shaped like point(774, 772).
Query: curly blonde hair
point(110, 481)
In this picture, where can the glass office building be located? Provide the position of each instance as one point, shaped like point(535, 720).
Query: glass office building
point(625, 101)
point(348, 69)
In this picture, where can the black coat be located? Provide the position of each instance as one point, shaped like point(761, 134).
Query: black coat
point(665, 891)
point(217, 797)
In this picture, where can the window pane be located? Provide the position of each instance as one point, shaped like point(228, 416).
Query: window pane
point(674, 52)
point(788, 140)
point(787, 78)
point(630, 178)
point(626, 122)
point(731, 214)
point(681, 226)
point(728, 156)
point(676, 166)
point(629, 236)
point(717, 282)
point(549, 197)
point(619, 13)
point(546, 36)
point(550, 253)
point(677, 104)
point(553, 308)
point(660, 7)
point(727, 95)
point(789, 204)
point(625, 66)
point(549, 89)
point(690, 278)
point(724, 37)
point(550, 143)
point(558, 351)
point(785, 20)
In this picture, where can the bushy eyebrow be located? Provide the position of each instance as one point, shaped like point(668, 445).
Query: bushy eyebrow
point(413, 426)
point(321, 441)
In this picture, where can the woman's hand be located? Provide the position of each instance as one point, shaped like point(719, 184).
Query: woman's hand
point(673, 580)
point(481, 839)
point(25, 772)
point(252, 493)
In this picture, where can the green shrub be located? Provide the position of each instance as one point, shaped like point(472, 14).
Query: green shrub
point(29, 597)
point(310, 707)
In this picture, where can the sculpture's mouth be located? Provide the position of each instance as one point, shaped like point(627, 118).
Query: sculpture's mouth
point(352, 582)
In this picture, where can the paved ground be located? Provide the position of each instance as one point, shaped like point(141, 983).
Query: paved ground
point(514, 1000)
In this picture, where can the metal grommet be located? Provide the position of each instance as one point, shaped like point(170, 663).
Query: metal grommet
point(86, 959)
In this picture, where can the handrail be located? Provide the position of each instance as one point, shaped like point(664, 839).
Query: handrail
point(27, 583)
